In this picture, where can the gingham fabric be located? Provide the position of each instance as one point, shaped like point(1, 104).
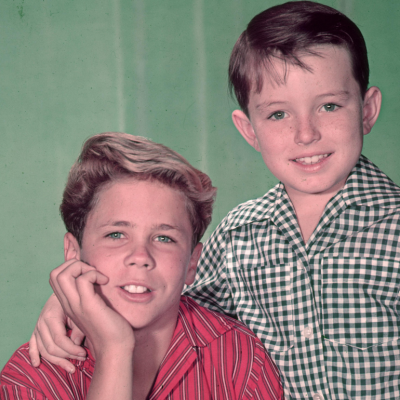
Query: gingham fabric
point(328, 311)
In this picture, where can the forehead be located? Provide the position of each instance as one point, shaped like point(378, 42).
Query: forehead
point(142, 199)
point(276, 70)
point(320, 68)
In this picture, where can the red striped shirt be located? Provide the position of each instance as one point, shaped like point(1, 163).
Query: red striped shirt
point(211, 356)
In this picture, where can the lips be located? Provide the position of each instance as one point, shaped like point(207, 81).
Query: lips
point(311, 160)
point(136, 289)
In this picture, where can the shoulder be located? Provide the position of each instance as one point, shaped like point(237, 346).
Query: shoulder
point(212, 325)
point(368, 186)
point(20, 376)
point(47, 381)
point(233, 350)
point(252, 210)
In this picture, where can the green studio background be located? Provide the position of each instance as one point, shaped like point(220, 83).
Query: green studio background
point(72, 68)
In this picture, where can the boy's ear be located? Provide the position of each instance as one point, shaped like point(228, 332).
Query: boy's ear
point(371, 108)
point(71, 247)
point(243, 125)
point(192, 268)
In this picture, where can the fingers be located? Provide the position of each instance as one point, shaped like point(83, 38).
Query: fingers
point(65, 279)
point(52, 349)
point(33, 351)
point(85, 284)
point(56, 355)
point(74, 284)
point(76, 288)
point(50, 338)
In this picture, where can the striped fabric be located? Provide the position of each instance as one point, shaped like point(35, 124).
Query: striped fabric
point(211, 357)
point(328, 311)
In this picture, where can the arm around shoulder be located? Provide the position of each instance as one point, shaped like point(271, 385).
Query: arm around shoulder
point(211, 287)
point(268, 384)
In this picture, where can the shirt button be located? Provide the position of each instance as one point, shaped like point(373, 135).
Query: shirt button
point(317, 396)
point(307, 332)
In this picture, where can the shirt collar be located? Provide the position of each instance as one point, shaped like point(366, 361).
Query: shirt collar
point(201, 326)
point(366, 186)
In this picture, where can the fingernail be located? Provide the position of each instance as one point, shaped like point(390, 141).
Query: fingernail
point(82, 355)
point(72, 370)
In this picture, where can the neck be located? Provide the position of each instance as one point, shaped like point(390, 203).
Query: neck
point(150, 349)
point(309, 209)
point(151, 345)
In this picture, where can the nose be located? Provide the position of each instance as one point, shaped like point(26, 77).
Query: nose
point(306, 132)
point(139, 256)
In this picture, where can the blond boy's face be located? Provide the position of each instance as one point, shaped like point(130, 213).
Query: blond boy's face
point(139, 236)
point(309, 128)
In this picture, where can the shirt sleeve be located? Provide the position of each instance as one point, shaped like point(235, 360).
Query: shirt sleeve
point(211, 288)
point(18, 378)
point(11, 392)
point(265, 380)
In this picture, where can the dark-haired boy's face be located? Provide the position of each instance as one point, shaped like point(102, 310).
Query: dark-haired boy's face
point(309, 128)
point(139, 235)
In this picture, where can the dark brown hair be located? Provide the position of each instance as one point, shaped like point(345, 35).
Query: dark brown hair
point(108, 157)
point(284, 32)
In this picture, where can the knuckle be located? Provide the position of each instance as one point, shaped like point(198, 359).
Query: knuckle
point(53, 275)
point(50, 348)
point(58, 340)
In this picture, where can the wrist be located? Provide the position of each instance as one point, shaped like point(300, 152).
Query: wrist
point(111, 351)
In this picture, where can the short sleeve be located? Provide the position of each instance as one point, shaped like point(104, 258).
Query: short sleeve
point(18, 378)
point(265, 380)
point(211, 288)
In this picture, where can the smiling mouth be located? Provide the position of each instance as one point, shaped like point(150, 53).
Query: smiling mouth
point(136, 289)
point(311, 160)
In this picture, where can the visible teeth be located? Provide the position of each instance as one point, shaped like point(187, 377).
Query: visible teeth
point(311, 160)
point(135, 289)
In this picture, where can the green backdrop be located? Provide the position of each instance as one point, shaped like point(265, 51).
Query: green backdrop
point(72, 68)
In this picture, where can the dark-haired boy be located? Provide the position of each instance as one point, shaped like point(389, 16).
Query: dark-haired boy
point(313, 266)
point(135, 212)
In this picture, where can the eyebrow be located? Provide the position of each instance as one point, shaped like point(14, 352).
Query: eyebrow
point(343, 93)
point(164, 227)
point(116, 223)
point(265, 104)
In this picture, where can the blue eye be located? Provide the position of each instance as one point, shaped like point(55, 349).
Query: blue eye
point(115, 235)
point(277, 115)
point(164, 239)
point(330, 107)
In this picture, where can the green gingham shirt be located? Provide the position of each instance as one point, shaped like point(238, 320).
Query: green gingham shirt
point(328, 311)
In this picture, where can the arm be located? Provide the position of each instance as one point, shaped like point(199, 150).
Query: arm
point(265, 382)
point(211, 288)
point(50, 340)
point(109, 336)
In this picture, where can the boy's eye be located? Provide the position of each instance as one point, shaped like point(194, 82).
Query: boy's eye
point(330, 107)
point(163, 239)
point(277, 115)
point(115, 235)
